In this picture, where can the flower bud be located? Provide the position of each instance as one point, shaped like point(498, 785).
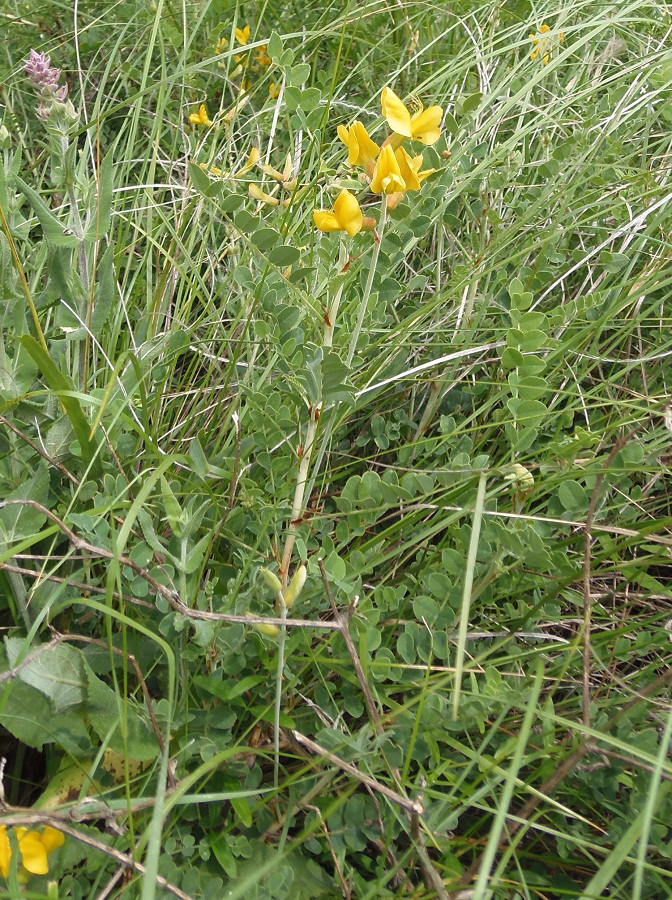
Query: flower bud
point(271, 580)
point(295, 586)
point(263, 627)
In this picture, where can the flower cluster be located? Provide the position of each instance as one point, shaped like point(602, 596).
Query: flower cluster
point(34, 847)
point(251, 62)
point(47, 80)
point(545, 43)
point(389, 168)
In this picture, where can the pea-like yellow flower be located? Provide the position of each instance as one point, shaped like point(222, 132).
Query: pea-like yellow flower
point(346, 215)
point(250, 162)
point(423, 125)
point(387, 177)
point(362, 151)
point(34, 846)
point(273, 90)
point(201, 117)
point(410, 166)
point(243, 35)
point(545, 44)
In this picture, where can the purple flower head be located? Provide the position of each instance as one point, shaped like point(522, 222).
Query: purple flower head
point(46, 78)
point(39, 70)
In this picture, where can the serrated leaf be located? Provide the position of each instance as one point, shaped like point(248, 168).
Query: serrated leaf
point(58, 673)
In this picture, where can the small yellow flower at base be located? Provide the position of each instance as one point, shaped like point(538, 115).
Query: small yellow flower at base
point(362, 151)
point(34, 847)
point(387, 177)
point(201, 117)
point(423, 125)
point(346, 215)
point(273, 90)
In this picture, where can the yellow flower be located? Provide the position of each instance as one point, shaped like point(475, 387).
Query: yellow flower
point(409, 166)
point(221, 45)
point(34, 847)
point(263, 59)
point(423, 125)
point(273, 90)
point(201, 117)
point(257, 194)
point(362, 151)
point(387, 177)
point(545, 44)
point(243, 35)
point(346, 215)
point(249, 163)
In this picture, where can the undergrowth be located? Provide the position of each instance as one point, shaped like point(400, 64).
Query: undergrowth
point(334, 528)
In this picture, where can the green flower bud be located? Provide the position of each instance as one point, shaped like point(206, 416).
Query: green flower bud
point(295, 586)
point(272, 580)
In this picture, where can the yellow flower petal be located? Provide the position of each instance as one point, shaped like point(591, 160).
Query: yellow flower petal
point(408, 167)
point(250, 162)
point(425, 125)
point(243, 35)
point(33, 851)
point(362, 151)
point(5, 851)
point(398, 117)
point(346, 215)
point(201, 117)
point(348, 212)
point(326, 220)
point(387, 177)
point(52, 838)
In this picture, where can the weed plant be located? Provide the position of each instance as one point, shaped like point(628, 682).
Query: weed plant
point(334, 529)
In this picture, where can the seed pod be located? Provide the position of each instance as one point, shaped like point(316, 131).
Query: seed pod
point(295, 586)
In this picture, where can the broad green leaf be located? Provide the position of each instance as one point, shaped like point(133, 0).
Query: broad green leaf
point(18, 520)
point(275, 47)
point(29, 716)
point(109, 714)
point(335, 384)
point(58, 673)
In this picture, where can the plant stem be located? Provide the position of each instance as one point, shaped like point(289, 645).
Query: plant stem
point(369, 283)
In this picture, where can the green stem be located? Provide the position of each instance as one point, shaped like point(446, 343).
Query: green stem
point(282, 637)
point(369, 283)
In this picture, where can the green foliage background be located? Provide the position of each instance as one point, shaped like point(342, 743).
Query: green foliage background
point(488, 493)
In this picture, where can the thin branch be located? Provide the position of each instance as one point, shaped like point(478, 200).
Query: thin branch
point(411, 806)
